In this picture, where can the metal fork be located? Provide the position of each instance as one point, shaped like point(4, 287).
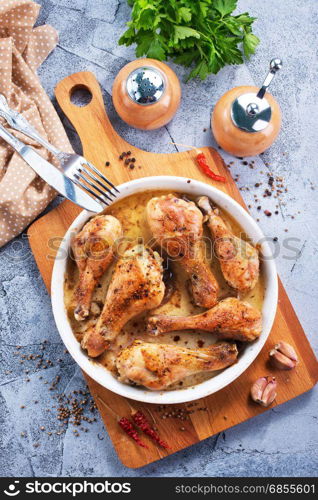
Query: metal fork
point(75, 167)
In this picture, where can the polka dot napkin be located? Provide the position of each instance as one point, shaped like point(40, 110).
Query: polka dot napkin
point(23, 195)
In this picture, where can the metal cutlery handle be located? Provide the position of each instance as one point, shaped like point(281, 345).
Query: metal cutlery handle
point(11, 140)
point(50, 174)
point(19, 123)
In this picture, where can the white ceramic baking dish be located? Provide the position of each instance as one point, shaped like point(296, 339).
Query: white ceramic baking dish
point(221, 380)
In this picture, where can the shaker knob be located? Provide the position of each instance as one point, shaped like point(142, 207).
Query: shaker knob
point(252, 109)
point(274, 66)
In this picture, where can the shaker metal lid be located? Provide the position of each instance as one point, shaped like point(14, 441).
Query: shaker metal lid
point(145, 85)
point(251, 111)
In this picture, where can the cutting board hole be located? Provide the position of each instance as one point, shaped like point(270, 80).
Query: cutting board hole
point(80, 96)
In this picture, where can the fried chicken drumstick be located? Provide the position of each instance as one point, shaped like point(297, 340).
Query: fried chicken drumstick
point(229, 319)
point(157, 366)
point(136, 286)
point(239, 260)
point(93, 250)
point(176, 225)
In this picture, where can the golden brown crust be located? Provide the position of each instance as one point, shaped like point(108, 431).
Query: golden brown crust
point(229, 319)
point(177, 226)
point(136, 286)
point(239, 260)
point(93, 252)
point(157, 366)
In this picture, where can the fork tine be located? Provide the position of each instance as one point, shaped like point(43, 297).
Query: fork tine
point(90, 191)
point(92, 176)
point(78, 174)
point(101, 175)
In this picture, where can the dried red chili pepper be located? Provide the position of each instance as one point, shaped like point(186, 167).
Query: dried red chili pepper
point(202, 162)
point(128, 427)
point(141, 421)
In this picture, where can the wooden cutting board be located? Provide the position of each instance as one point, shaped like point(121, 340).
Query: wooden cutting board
point(229, 406)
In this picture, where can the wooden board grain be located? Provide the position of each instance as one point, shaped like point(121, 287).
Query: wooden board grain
point(229, 406)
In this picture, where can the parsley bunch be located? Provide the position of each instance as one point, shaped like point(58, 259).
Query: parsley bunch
point(202, 33)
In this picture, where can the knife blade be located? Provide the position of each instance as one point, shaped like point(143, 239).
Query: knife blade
point(50, 174)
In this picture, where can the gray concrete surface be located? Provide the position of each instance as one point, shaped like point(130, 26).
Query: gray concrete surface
point(283, 441)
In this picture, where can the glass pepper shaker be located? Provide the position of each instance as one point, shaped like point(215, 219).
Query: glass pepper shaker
point(146, 94)
point(246, 120)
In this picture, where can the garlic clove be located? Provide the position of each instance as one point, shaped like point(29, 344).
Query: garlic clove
point(281, 361)
point(263, 391)
point(287, 350)
point(283, 356)
point(258, 388)
point(269, 393)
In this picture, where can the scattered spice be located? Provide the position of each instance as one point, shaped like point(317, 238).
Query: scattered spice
point(202, 162)
point(70, 410)
point(129, 162)
point(141, 421)
point(107, 163)
point(129, 429)
point(182, 413)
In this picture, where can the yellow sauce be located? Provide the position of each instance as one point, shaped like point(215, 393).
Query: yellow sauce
point(131, 213)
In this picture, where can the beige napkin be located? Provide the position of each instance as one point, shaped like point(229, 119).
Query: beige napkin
point(23, 195)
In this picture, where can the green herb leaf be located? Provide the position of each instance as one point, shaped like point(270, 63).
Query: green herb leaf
point(224, 7)
point(182, 32)
point(156, 50)
point(250, 43)
point(202, 33)
point(185, 14)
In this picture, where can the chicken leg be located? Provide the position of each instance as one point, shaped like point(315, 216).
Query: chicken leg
point(136, 286)
point(229, 319)
point(157, 366)
point(176, 225)
point(238, 259)
point(93, 250)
